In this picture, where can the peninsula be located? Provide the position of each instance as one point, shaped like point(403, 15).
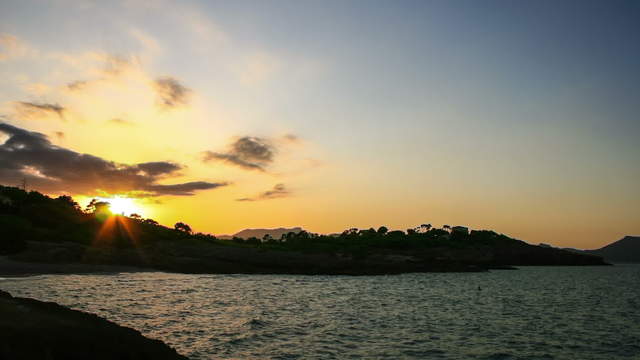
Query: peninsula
point(38, 229)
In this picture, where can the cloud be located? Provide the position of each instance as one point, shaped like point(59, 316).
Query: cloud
point(251, 153)
point(157, 168)
point(118, 121)
point(185, 189)
point(101, 69)
point(278, 191)
point(170, 92)
point(49, 168)
point(115, 64)
point(257, 68)
point(290, 138)
point(11, 47)
point(26, 109)
point(150, 45)
point(109, 86)
point(76, 85)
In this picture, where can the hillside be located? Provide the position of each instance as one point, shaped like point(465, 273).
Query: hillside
point(625, 250)
point(40, 229)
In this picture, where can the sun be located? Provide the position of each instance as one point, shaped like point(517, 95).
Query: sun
point(123, 206)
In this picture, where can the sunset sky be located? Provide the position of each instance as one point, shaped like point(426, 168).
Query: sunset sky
point(517, 116)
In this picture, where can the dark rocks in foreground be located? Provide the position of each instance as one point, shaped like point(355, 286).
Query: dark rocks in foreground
point(31, 329)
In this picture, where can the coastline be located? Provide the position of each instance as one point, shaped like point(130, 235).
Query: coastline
point(12, 268)
point(40, 258)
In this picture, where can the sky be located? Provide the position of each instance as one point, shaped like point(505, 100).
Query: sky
point(516, 116)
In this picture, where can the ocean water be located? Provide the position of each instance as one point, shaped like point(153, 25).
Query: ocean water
point(531, 313)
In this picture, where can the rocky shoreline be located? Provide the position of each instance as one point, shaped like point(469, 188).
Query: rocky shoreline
point(31, 329)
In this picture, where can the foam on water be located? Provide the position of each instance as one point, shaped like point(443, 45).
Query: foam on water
point(532, 313)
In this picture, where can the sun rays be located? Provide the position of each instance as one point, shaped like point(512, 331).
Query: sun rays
point(123, 206)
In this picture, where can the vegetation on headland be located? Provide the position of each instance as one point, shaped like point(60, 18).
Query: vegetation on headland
point(39, 228)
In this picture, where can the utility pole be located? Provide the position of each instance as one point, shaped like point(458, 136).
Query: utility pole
point(24, 184)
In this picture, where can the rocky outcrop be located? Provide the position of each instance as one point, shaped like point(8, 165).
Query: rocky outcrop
point(31, 329)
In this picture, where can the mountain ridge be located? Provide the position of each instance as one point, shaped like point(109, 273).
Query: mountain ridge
point(625, 250)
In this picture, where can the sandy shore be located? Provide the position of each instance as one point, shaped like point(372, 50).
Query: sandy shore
point(10, 267)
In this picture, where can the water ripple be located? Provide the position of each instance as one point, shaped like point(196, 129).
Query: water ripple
point(533, 313)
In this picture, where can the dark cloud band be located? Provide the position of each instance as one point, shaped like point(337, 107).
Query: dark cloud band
point(49, 168)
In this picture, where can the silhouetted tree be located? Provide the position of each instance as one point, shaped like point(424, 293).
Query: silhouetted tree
point(150, 222)
point(91, 206)
point(238, 240)
point(367, 233)
point(288, 236)
point(68, 200)
point(135, 216)
point(96, 206)
point(382, 230)
point(180, 226)
point(253, 241)
point(352, 231)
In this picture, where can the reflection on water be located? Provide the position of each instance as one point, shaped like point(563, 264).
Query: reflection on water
point(533, 313)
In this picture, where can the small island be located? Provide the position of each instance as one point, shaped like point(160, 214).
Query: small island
point(56, 231)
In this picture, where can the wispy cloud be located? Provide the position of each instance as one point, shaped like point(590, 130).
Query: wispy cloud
point(76, 85)
point(25, 109)
point(257, 68)
point(12, 47)
point(119, 121)
point(290, 138)
point(126, 74)
point(150, 45)
point(278, 191)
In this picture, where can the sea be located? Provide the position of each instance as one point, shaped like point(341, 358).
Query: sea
point(529, 313)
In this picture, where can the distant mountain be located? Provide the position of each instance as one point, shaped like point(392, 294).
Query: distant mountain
point(625, 250)
point(260, 233)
